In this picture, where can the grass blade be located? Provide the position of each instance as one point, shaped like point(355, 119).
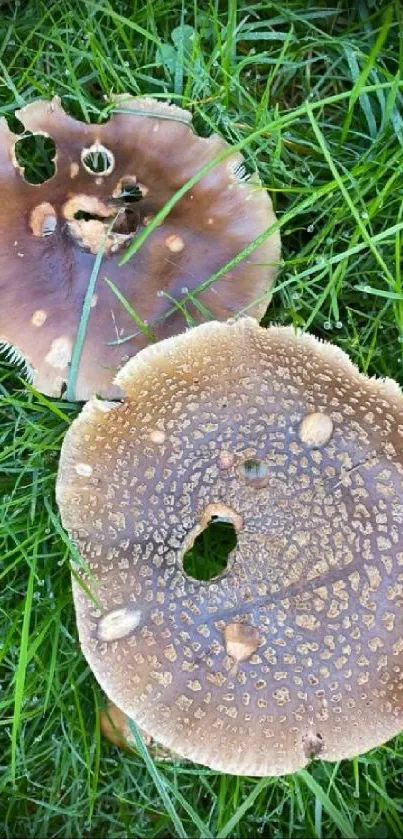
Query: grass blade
point(340, 820)
point(158, 780)
point(22, 668)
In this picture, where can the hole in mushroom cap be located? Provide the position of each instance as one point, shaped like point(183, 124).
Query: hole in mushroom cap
point(255, 472)
point(130, 192)
point(89, 220)
point(35, 154)
point(98, 160)
point(208, 556)
point(126, 222)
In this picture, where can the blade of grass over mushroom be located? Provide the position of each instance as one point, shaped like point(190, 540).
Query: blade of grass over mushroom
point(144, 113)
point(85, 314)
point(180, 306)
point(131, 311)
point(171, 203)
point(278, 225)
point(317, 268)
point(158, 780)
point(74, 554)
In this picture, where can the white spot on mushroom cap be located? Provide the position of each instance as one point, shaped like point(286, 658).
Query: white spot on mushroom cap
point(118, 624)
point(74, 170)
point(84, 469)
point(174, 243)
point(316, 429)
point(39, 317)
point(94, 301)
point(59, 354)
point(226, 459)
point(157, 436)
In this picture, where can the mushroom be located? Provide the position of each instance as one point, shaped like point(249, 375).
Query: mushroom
point(115, 726)
point(296, 648)
point(110, 181)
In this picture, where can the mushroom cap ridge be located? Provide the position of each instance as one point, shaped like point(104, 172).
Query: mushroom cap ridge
point(317, 574)
point(51, 231)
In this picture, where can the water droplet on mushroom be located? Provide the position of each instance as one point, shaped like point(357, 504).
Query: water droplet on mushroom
point(174, 243)
point(255, 472)
point(39, 317)
point(84, 469)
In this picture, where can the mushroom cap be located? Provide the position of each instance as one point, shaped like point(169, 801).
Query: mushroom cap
point(51, 231)
point(296, 649)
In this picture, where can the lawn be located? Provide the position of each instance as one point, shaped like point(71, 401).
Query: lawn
point(314, 93)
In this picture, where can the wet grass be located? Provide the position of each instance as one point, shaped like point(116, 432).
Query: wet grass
point(315, 93)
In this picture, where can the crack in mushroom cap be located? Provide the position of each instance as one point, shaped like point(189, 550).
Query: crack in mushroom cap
point(297, 648)
point(51, 231)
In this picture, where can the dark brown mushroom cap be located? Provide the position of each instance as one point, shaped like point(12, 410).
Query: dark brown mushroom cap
point(47, 254)
point(297, 648)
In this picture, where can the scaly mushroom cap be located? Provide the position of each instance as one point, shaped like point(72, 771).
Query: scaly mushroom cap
point(297, 648)
point(51, 231)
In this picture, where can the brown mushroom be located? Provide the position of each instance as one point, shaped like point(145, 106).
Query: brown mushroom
point(296, 649)
point(110, 181)
point(115, 726)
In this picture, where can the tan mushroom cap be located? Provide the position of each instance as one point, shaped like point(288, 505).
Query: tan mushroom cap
point(297, 648)
point(48, 246)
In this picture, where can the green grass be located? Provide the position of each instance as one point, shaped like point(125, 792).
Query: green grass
point(314, 94)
